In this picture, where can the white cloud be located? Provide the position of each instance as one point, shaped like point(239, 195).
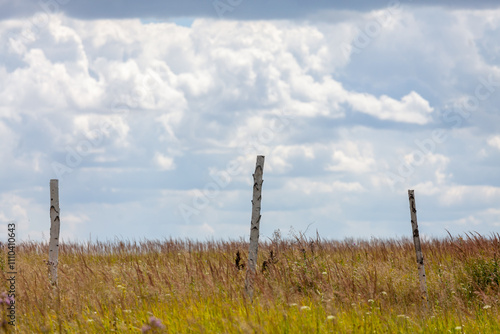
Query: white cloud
point(347, 186)
point(352, 157)
point(427, 188)
point(160, 97)
point(461, 194)
point(411, 109)
point(164, 162)
point(282, 157)
point(71, 222)
point(24, 213)
point(494, 142)
point(315, 187)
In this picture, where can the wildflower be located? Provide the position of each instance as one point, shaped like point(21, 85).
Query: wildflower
point(293, 304)
point(305, 308)
point(152, 325)
point(330, 317)
point(384, 293)
point(371, 301)
point(458, 328)
point(324, 273)
point(155, 323)
point(486, 307)
point(6, 299)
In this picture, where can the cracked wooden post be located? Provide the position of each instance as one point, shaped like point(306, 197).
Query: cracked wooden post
point(254, 227)
point(418, 248)
point(55, 225)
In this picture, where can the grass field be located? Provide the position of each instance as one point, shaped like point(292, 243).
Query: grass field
point(306, 286)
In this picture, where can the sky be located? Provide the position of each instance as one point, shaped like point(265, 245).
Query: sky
point(151, 114)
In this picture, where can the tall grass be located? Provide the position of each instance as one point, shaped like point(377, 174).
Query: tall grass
point(305, 286)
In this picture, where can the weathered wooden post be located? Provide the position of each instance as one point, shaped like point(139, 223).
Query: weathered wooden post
point(55, 225)
point(418, 248)
point(254, 227)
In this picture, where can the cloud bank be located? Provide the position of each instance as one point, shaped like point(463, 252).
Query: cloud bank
point(153, 128)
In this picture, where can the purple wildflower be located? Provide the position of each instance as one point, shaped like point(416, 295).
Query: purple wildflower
point(155, 323)
point(5, 298)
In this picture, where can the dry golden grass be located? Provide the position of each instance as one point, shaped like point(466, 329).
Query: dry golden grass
point(307, 286)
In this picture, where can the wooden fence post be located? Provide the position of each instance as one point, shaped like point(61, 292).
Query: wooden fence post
point(55, 225)
point(418, 248)
point(254, 227)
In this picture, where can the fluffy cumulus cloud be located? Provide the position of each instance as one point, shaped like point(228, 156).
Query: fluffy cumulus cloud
point(152, 128)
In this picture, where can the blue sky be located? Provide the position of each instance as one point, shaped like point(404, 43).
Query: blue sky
point(151, 115)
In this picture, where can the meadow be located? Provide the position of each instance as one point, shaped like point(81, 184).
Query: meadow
point(303, 285)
